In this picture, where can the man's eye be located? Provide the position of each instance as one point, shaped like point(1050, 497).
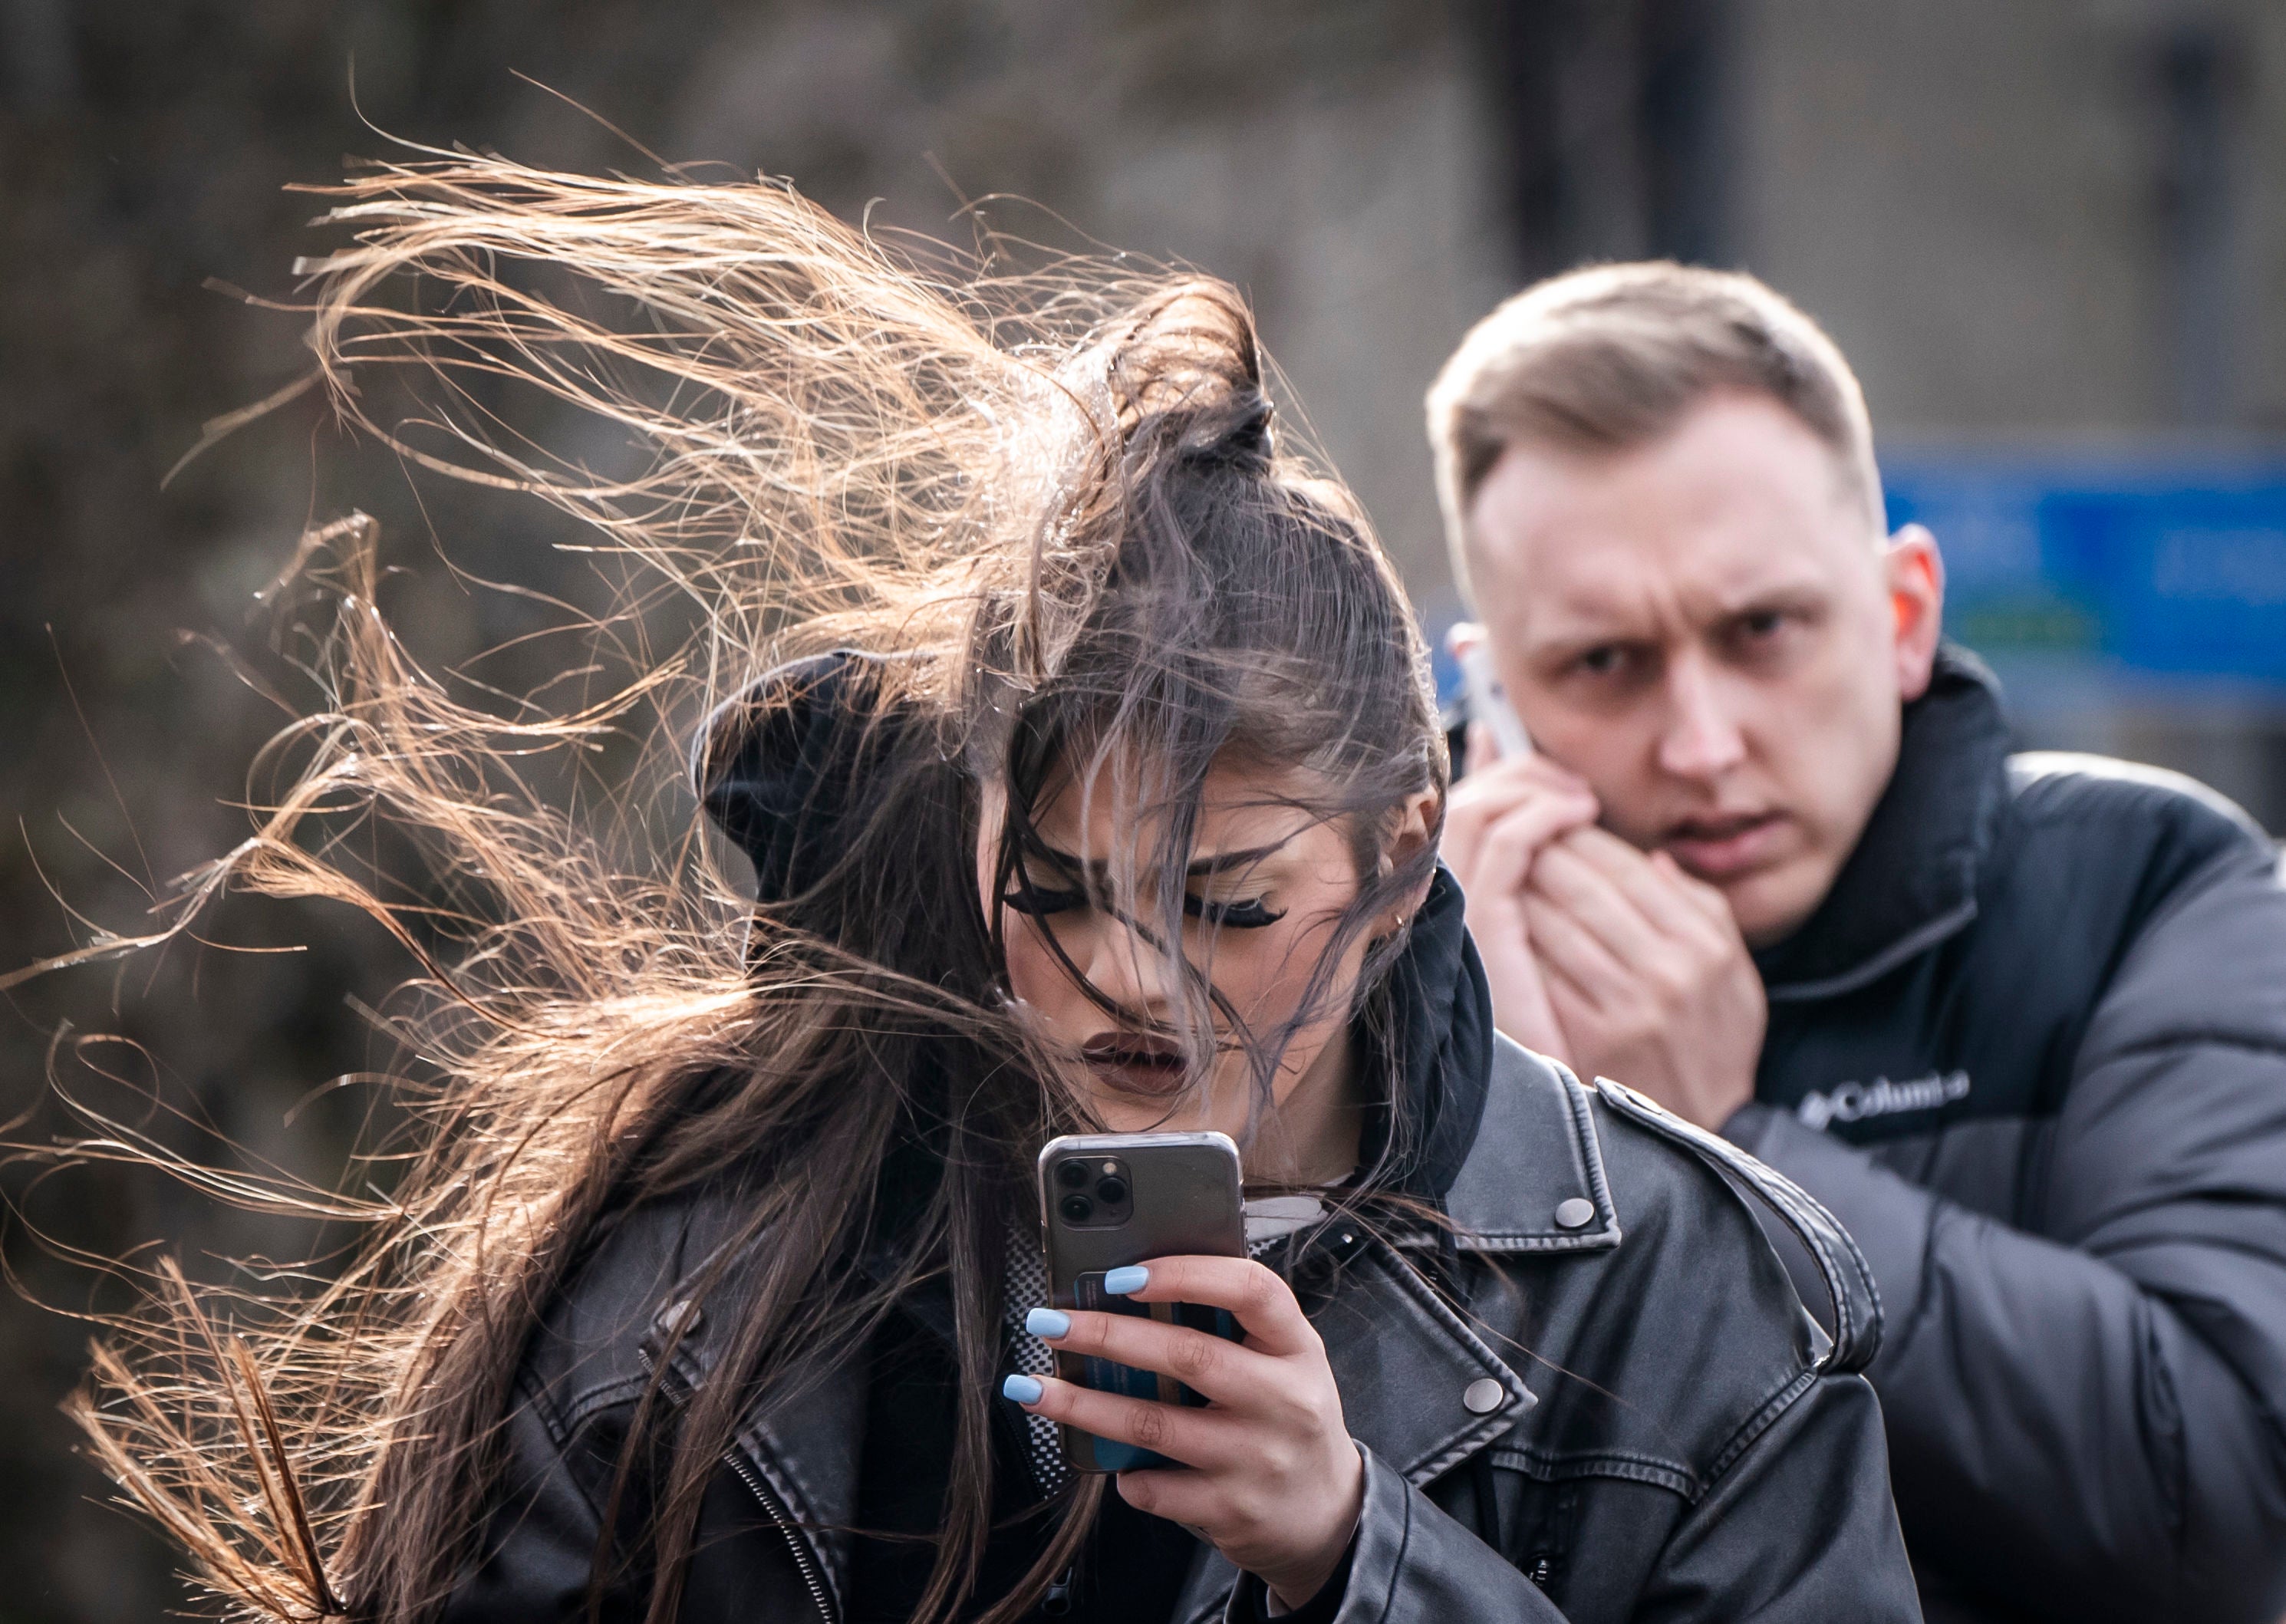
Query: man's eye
point(1251, 914)
point(1761, 623)
point(1602, 661)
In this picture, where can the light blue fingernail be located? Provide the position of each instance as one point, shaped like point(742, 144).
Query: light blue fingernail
point(1047, 1322)
point(1021, 1389)
point(1121, 1282)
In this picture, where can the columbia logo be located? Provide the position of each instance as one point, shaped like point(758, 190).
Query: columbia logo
point(1855, 1101)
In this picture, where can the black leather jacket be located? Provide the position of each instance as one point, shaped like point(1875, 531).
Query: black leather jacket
point(1610, 1406)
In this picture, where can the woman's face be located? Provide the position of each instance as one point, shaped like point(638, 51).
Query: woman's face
point(1267, 886)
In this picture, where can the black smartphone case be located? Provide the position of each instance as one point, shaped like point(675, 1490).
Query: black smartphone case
point(1185, 1201)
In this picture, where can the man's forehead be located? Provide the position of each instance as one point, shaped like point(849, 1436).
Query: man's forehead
point(1719, 516)
point(1600, 589)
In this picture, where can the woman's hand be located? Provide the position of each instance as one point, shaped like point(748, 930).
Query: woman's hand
point(1275, 1482)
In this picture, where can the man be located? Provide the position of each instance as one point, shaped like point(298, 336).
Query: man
point(2019, 1023)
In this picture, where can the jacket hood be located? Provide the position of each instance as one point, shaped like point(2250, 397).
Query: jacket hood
point(781, 768)
point(1440, 1033)
point(1912, 880)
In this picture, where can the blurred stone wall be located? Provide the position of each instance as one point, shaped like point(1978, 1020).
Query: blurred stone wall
point(2056, 226)
point(2031, 219)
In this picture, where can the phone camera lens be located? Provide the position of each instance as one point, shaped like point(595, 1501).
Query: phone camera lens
point(1111, 1192)
point(1071, 1175)
point(1077, 1208)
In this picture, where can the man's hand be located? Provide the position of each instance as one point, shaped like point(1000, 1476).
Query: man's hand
point(1617, 964)
point(1645, 973)
point(1503, 814)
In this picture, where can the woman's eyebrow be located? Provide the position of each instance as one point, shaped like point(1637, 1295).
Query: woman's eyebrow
point(1199, 869)
point(1239, 859)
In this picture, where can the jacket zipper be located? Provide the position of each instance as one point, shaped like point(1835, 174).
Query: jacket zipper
point(780, 1518)
point(786, 1530)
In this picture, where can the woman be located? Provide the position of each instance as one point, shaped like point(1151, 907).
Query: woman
point(1100, 788)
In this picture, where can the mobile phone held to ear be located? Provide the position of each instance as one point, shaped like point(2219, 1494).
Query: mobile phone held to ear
point(1488, 701)
point(1110, 1199)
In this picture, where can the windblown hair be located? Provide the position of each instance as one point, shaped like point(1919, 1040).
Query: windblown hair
point(1053, 515)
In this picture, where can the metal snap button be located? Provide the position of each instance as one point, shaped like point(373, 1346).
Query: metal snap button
point(1573, 1213)
point(1482, 1396)
point(682, 1317)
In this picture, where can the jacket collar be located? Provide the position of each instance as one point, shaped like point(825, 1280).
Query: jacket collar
point(1911, 881)
point(1498, 1137)
point(1534, 1180)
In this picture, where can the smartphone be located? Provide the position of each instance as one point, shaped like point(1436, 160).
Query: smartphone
point(1488, 700)
point(1110, 1199)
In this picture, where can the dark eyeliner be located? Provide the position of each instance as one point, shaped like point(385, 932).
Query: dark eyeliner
point(1248, 915)
point(1039, 900)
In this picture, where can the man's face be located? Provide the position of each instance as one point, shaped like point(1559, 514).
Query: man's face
point(1707, 630)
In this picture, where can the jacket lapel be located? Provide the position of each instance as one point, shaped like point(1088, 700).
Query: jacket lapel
point(806, 1447)
point(1406, 1364)
point(1409, 1370)
point(799, 1448)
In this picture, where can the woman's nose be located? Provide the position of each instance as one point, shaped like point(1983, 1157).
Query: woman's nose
point(1124, 967)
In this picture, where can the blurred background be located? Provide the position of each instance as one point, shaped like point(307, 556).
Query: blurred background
point(2051, 236)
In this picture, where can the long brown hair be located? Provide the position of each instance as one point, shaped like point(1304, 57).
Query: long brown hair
point(1055, 513)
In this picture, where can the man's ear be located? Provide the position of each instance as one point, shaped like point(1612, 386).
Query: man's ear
point(1914, 574)
point(1462, 636)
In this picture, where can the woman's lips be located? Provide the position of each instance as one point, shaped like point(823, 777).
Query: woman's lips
point(1136, 1063)
point(1720, 848)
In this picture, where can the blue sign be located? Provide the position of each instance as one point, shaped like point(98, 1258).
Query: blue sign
point(2139, 565)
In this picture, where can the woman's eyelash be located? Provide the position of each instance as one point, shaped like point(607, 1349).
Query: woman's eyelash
point(1251, 914)
point(1038, 899)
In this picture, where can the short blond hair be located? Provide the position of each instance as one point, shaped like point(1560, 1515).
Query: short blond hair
point(1610, 358)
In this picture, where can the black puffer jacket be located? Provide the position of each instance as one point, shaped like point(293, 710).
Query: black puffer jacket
point(1613, 1408)
point(2032, 1051)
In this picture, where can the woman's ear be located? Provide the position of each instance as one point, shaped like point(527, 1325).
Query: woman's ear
point(1413, 830)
